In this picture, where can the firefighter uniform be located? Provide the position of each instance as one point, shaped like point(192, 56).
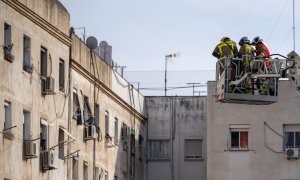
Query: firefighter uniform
point(226, 47)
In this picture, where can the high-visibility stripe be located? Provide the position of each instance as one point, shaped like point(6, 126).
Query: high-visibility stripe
point(223, 44)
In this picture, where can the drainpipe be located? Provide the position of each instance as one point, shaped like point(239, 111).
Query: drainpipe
point(69, 108)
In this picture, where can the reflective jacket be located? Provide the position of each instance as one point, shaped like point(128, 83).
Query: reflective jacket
point(226, 48)
point(246, 52)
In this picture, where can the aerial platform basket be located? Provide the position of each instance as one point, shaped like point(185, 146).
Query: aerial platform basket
point(256, 84)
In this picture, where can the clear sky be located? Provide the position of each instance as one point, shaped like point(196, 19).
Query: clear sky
point(142, 32)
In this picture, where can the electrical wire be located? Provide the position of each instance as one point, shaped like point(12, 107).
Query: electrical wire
point(277, 20)
point(171, 88)
point(285, 38)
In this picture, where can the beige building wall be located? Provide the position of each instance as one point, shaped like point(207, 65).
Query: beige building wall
point(265, 158)
point(93, 78)
point(46, 23)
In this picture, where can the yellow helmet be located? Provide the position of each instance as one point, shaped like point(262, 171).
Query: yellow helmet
point(225, 38)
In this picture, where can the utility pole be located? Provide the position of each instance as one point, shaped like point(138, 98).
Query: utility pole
point(193, 84)
point(294, 28)
point(167, 57)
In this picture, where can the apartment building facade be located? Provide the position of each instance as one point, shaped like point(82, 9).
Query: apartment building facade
point(254, 141)
point(111, 106)
point(60, 119)
point(34, 40)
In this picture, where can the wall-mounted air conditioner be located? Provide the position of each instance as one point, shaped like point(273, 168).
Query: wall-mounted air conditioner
point(49, 85)
point(8, 54)
point(28, 68)
point(48, 160)
point(90, 132)
point(30, 150)
point(125, 131)
point(292, 153)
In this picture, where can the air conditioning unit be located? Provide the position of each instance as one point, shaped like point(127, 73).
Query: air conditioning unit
point(8, 55)
point(125, 132)
point(90, 132)
point(49, 85)
point(292, 153)
point(48, 160)
point(30, 150)
point(28, 68)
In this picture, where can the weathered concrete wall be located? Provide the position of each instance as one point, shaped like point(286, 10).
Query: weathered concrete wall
point(187, 116)
point(52, 11)
point(23, 90)
point(95, 66)
point(265, 158)
point(114, 95)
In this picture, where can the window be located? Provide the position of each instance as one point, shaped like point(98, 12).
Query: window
point(26, 54)
point(159, 150)
point(26, 125)
point(85, 171)
point(291, 136)
point(97, 176)
point(7, 35)
point(43, 69)
point(75, 169)
point(116, 128)
point(43, 62)
point(97, 118)
point(141, 147)
point(87, 113)
point(239, 137)
point(193, 149)
point(62, 75)
point(7, 117)
point(106, 122)
point(132, 142)
point(61, 144)
point(105, 175)
point(76, 108)
point(44, 135)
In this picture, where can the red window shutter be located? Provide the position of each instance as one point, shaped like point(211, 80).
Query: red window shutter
point(244, 139)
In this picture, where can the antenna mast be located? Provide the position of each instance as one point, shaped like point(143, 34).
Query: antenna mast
point(294, 35)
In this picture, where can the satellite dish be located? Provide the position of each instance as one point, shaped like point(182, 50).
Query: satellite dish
point(103, 44)
point(91, 42)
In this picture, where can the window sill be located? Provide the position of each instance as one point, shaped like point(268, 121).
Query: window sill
point(194, 159)
point(62, 90)
point(238, 149)
point(158, 159)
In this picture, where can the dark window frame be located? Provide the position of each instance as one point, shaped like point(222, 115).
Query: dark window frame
point(27, 66)
point(7, 35)
point(61, 75)
point(61, 144)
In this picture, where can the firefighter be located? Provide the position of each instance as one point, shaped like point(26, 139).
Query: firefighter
point(225, 48)
point(262, 52)
point(261, 48)
point(246, 52)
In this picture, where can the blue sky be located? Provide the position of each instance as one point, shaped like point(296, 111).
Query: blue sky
point(142, 32)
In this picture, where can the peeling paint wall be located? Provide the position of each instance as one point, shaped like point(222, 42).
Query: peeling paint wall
point(23, 91)
point(187, 116)
point(114, 95)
